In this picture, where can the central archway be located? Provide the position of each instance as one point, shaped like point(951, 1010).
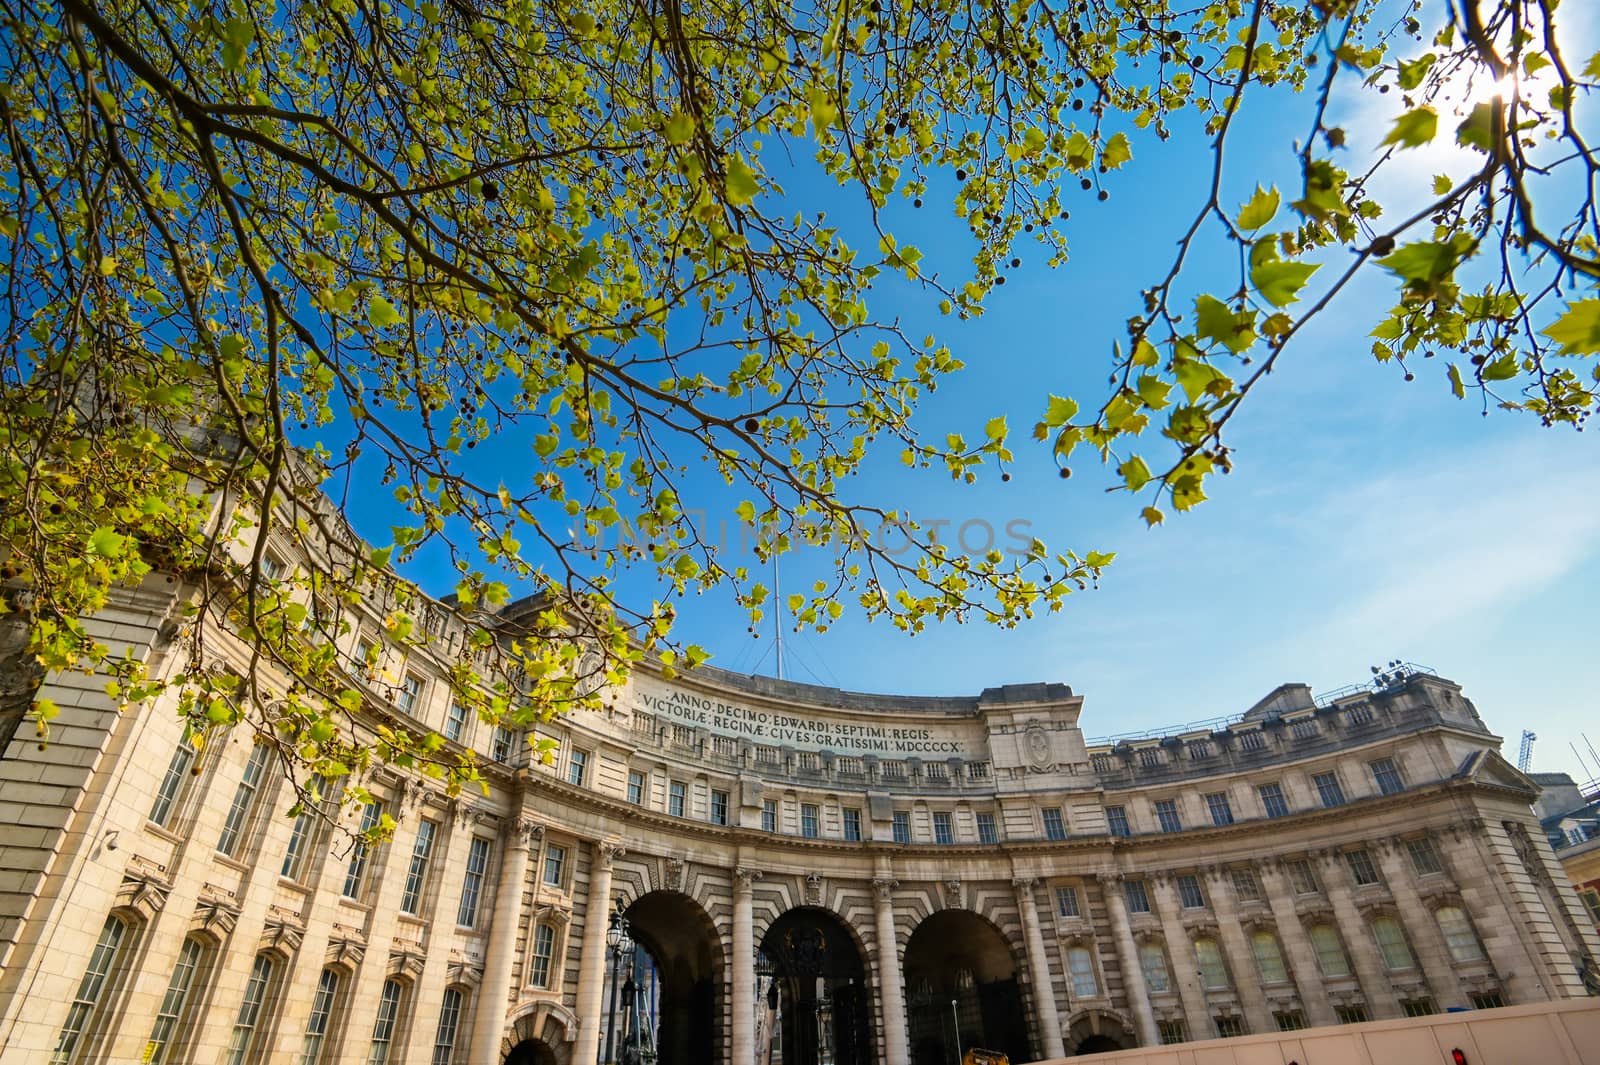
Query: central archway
point(531, 1052)
point(676, 972)
point(819, 1012)
point(962, 991)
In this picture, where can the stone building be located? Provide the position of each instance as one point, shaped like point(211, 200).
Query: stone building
point(811, 876)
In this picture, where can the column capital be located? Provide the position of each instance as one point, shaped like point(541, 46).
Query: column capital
point(1111, 881)
point(524, 832)
point(744, 879)
point(607, 851)
point(883, 887)
point(1025, 885)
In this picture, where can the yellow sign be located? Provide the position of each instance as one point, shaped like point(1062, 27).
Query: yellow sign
point(975, 1056)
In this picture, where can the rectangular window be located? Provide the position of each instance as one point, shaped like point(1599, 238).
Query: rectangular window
point(1330, 951)
point(808, 820)
point(555, 863)
point(1301, 877)
point(1591, 899)
point(1138, 898)
point(677, 795)
point(1272, 800)
point(902, 826)
point(168, 1028)
point(719, 807)
point(987, 832)
point(852, 824)
point(577, 766)
point(1153, 963)
point(1220, 809)
point(1054, 827)
point(1080, 967)
point(1289, 1020)
point(1189, 892)
point(1167, 815)
point(1386, 775)
point(500, 745)
point(317, 1024)
point(1329, 789)
point(472, 883)
point(444, 1039)
point(1487, 1000)
point(455, 722)
point(636, 787)
point(1171, 1032)
point(769, 815)
point(1067, 902)
point(242, 1042)
point(410, 693)
point(299, 839)
point(244, 800)
point(90, 990)
point(355, 873)
point(544, 945)
point(943, 831)
point(1229, 1026)
point(383, 1027)
point(1246, 886)
point(1269, 958)
point(1459, 937)
point(1252, 741)
point(1392, 944)
point(172, 783)
point(417, 871)
point(1351, 1014)
point(1213, 969)
point(1117, 821)
point(1417, 1007)
point(1361, 868)
point(1424, 858)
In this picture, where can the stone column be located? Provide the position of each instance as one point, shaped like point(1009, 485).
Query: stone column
point(891, 990)
point(1432, 953)
point(1128, 954)
point(744, 976)
point(1180, 950)
point(1296, 944)
point(1246, 974)
point(1044, 991)
point(592, 960)
point(488, 1025)
point(1488, 898)
point(1364, 958)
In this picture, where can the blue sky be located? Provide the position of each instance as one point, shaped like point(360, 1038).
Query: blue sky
point(1366, 518)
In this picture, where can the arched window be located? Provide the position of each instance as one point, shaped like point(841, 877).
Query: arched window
point(1080, 963)
point(323, 1005)
point(1458, 934)
point(1213, 970)
point(1269, 958)
point(173, 1020)
point(444, 1039)
point(384, 1028)
point(1153, 960)
point(1331, 958)
point(1392, 944)
point(93, 989)
point(243, 806)
point(244, 1044)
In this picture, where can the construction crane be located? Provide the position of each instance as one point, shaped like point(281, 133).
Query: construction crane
point(1525, 754)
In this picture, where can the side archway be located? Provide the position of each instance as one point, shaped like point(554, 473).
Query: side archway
point(962, 991)
point(675, 981)
point(1099, 1032)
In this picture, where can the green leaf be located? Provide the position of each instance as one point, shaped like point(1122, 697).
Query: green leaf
point(1080, 151)
point(678, 128)
point(1578, 330)
point(1060, 411)
point(1116, 152)
point(1152, 517)
point(381, 313)
point(1502, 369)
point(1442, 184)
point(1153, 391)
point(741, 185)
point(1414, 128)
point(1424, 261)
point(1135, 474)
point(1215, 321)
point(995, 428)
point(1412, 73)
point(1279, 282)
point(1591, 69)
point(1260, 209)
point(1456, 385)
point(106, 542)
point(1478, 129)
point(1195, 376)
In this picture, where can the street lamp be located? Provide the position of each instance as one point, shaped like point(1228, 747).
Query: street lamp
point(618, 945)
point(630, 1031)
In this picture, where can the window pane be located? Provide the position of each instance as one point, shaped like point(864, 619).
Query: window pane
point(444, 1040)
point(1153, 961)
point(1424, 858)
point(1081, 964)
point(472, 883)
point(1330, 951)
point(1246, 886)
point(1054, 827)
point(719, 807)
point(852, 824)
point(1458, 934)
point(1272, 800)
point(1269, 957)
point(172, 783)
point(544, 943)
point(555, 860)
point(1329, 789)
point(1117, 821)
point(244, 797)
point(455, 722)
point(244, 1025)
point(1386, 775)
point(417, 873)
point(1302, 877)
point(1213, 970)
point(383, 1027)
point(1361, 868)
point(1189, 891)
point(677, 792)
point(356, 871)
point(986, 829)
point(808, 820)
point(1167, 815)
point(943, 831)
point(90, 989)
point(321, 1012)
point(577, 766)
point(1220, 809)
point(636, 787)
point(769, 815)
point(1392, 944)
point(166, 1029)
point(1138, 898)
point(902, 826)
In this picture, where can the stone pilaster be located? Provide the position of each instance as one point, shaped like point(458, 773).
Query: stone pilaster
point(743, 977)
point(1296, 944)
point(489, 1020)
point(592, 966)
point(1375, 985)
point(1432, 953)
point(1128, 956)
point(1241, 955)
point(1180, 949)
point(1044, 992)
point(891, 988)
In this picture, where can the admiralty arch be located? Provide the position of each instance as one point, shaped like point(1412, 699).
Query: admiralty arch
point(733, 869)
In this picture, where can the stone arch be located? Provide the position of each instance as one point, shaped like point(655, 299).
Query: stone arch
point(962, 957)
point(821, 1009)
point(678, 967)
point(1098, 1031)
point(539, 1033)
